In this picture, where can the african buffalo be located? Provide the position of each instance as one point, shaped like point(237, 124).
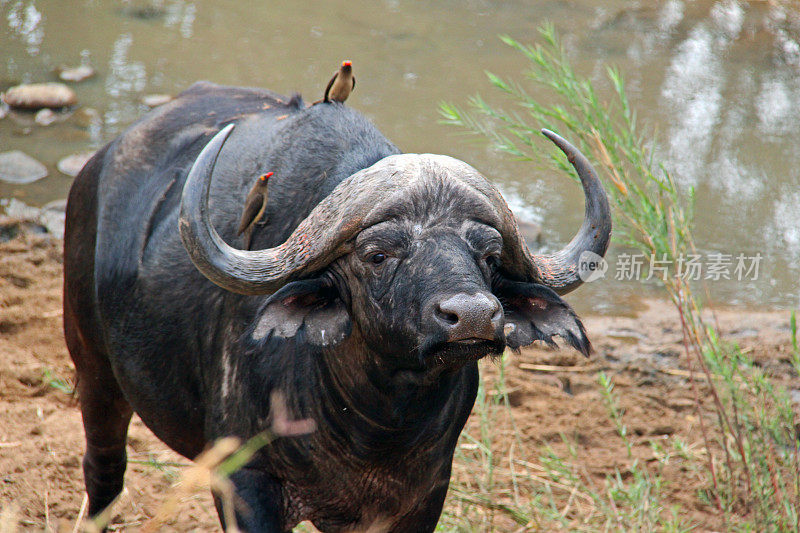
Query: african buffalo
point(378, 282)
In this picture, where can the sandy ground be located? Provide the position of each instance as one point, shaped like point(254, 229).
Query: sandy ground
point(41, 437)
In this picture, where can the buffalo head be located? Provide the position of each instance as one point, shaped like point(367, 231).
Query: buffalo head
point(418, 254)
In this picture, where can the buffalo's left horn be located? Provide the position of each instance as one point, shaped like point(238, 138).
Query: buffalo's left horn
point(560, 270)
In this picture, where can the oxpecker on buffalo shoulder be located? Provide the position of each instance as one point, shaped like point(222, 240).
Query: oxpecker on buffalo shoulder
point(254, 207)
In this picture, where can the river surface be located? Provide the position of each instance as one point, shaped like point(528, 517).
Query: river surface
point(719, 82)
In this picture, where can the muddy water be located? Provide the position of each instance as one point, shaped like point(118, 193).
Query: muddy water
point(718, 81)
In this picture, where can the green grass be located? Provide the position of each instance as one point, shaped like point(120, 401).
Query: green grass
point(55, 381)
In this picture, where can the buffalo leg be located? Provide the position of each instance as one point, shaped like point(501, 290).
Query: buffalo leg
point(106, 415)
point(257, 502)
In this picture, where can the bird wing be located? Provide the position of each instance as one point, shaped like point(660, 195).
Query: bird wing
point(328, 88)
point(251, 211)
point(354, 83)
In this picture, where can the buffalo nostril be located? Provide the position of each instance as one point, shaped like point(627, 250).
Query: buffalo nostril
point(446, 316)
point(498, 314)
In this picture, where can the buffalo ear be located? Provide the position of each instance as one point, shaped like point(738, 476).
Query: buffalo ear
point(311, 306)
point(537, 313)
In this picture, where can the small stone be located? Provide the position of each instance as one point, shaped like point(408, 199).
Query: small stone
point(49, 219)
point(155, 100)
point(53, 222)
point(18, 167)
point(76, 74)
point(59, 206)
point(72, 164)
point(20, 210)
point(39, 95)
point(44, 117)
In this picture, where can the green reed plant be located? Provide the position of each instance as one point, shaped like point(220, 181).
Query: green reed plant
point(747, 421)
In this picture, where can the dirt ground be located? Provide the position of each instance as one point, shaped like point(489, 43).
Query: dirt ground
point(41, 437)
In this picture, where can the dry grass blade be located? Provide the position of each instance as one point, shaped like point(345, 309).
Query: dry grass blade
point(555, 368)
point(81, 514)
point(196, 477)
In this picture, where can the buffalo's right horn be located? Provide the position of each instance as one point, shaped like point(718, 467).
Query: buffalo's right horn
point(561, 270)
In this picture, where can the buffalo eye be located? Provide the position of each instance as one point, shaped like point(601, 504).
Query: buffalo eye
point(378, 258)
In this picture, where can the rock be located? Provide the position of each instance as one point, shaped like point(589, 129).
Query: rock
point(53, 222)
point(53, 217)
point(20, 210)
point(11, 227)
point(18, 167)
point(56, 205)
point(155, 100)
point(49, 219)
point(76, 74)
point(39, 95)
point(44, 117)
point(72, 164)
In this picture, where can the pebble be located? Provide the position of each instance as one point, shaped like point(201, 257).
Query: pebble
point(40, 95)
point(72, 164)
point(59, 206)
point(19, 167)
point(45, 117)
point(155, 100)
point(75, 74)
point(49, 219)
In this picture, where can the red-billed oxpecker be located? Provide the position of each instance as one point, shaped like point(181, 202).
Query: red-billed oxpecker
point(254, 207)
point(341, 85)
